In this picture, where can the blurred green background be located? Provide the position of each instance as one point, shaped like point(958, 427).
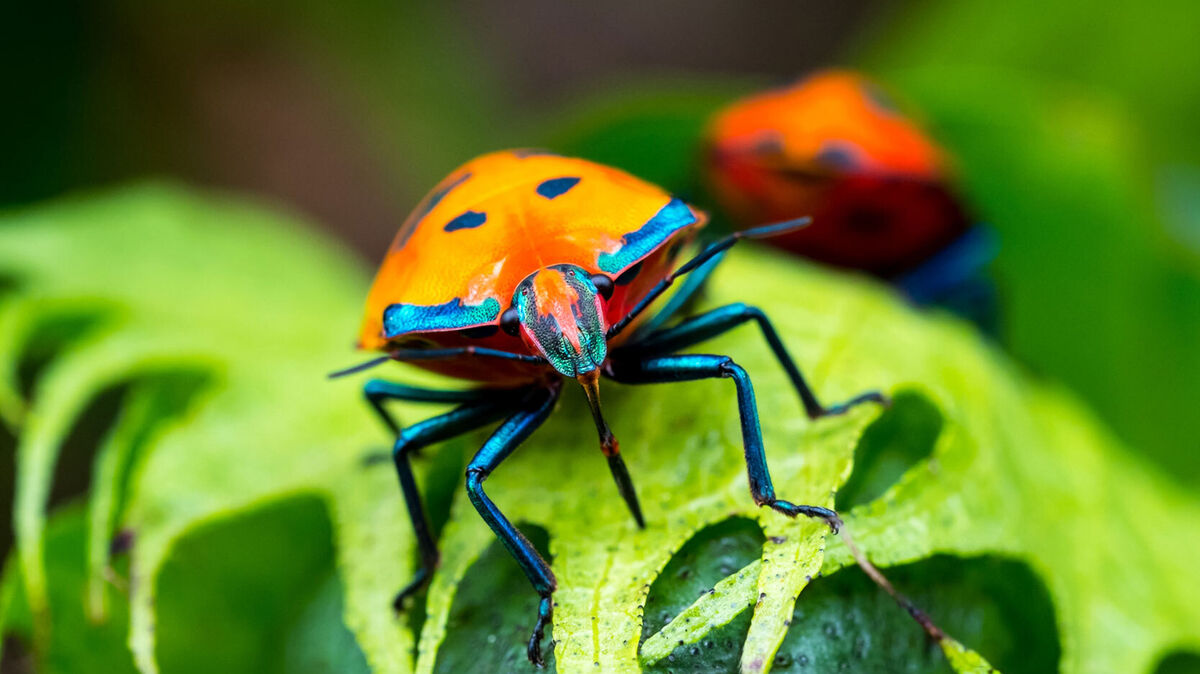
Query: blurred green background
point(1074, 126)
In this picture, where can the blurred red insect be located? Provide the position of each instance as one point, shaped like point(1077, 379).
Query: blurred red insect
point(879, 189)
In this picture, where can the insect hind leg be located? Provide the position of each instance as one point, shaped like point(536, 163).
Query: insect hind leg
point(654, 370)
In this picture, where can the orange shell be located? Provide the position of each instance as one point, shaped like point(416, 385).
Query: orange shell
point(838, 107)
point(503, 216)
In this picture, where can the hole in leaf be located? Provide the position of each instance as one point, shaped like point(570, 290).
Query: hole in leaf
point(73, 470)
point(234, 594)
point(8, 469)
point(159, 399)
point(52, 334)
point(719, 651)
point(901, 437)
point(493, 614)
point(997, 607)
point(714, 553)
point(17, 657)
point(133, 411)
point(1179, 662)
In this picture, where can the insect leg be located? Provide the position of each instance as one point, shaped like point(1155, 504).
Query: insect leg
point(957, 279)
point(664, 369)
point(376, 391)
point(687, 293)
point(506, 438)
point(409, 440)
point(722, 319)
point(964, 259)
point(709, 252)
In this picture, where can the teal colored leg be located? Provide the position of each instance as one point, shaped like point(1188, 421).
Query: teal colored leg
point(722, 319)
point(409, 440)
point(691, 287)
point(964, 259)
point(656, 370)
point(536, 407)
point(376, 391)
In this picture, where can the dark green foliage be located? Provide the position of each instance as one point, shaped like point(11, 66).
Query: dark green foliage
point(493, 613)
point(318, 641)
point(846, 623)
point(229, 590)
point(1180, 662)
point(713, 553)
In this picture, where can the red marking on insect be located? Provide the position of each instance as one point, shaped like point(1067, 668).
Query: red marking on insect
point(557, 299)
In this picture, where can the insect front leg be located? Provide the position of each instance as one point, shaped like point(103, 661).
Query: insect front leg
point(688, 291)
point(723, 319)
point(506, 438)
point(655, 370)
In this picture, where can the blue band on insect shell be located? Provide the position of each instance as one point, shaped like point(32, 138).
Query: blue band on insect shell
point(670, 219)
point(399, 319)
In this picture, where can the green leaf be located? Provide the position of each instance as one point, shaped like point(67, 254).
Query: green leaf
point(844, 621)
point(268, 564)
point(263, 308)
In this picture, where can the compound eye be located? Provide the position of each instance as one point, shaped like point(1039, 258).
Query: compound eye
point(604, 285)
point(510, 321)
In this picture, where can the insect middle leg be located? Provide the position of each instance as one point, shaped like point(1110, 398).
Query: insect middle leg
point(656, 370)
point(723, 319)
point(536, 408)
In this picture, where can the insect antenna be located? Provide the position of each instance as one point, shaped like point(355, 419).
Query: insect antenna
point(610, 448)
point(703, 256)
point(360, 367)
point(439, 354)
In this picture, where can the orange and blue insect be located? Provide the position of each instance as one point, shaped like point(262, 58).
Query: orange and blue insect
point(522, 269)
point(879, 189)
